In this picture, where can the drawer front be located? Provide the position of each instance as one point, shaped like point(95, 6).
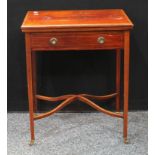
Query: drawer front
point(76, 41)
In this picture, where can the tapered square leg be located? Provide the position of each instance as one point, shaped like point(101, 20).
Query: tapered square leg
point(118, 62)
point(34, 81)
point(126, 83)
point(30, 84)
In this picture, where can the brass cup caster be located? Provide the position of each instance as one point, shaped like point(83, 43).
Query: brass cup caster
point(126, 141)
point(31, 142)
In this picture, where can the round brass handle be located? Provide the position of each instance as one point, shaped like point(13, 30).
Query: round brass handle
point(101, 40)
point(53, 41)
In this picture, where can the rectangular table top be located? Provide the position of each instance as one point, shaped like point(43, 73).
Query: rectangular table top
point(68, 19)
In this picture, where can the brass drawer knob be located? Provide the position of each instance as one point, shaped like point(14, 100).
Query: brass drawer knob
point(101, 40)
point(53, 41)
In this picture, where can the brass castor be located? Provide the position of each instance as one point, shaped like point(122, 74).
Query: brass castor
point(126, 141)
point(31, 142)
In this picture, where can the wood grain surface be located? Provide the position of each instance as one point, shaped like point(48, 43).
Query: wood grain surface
point(73, 19)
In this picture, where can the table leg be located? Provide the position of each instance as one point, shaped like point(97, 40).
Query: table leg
point(126, 82)
point(118, 61)
point(30, 84)
point(34, 81)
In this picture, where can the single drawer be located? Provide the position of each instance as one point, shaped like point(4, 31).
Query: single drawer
point(76, 40)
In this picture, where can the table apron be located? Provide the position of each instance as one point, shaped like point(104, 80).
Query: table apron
point(77, 41)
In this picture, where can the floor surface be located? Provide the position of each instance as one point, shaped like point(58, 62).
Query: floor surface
point(78, 134)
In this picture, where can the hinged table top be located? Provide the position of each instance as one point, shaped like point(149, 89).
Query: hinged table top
point(75, 19)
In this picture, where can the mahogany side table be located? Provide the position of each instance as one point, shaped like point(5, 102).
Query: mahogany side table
point(77, 30)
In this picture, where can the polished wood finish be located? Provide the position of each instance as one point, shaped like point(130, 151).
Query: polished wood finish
point(93, 105)
point(63, 97)
point(112, 19)
point(76, 41)
point(118, 61)
point(59, 107)
point(81, 97)
point(77, 30)
point(30, 82)
point(34, 80)
point(126, 82)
